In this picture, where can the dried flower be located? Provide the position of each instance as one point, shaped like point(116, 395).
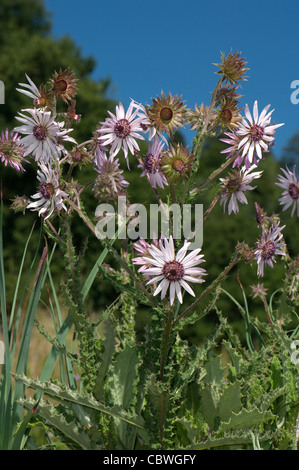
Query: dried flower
point(20, 204)
point(232, 67)
point(197, 117)
point(64, 85)
point(258, 290)
point(167, 113)
point(177, 163)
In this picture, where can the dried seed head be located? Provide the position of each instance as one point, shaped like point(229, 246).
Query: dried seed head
point(232, 67)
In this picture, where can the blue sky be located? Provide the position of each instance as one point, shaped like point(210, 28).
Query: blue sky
point(146, 47)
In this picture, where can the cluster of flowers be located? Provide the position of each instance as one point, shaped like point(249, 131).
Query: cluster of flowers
point(166, 162)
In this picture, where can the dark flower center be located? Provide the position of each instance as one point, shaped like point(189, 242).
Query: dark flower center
point(60, 86)
point(166, 115)
point(122, 128)
point(151, 163)
point(294, 191)
point(40, 132)
point(47, 190)
point(173, 271)
point(256, 132)
point(268, 250)
point(226, 115)
point(179, 166)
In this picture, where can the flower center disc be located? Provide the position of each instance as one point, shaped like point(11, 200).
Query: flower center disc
point(226, 115)
point(256, 132)
point(151, 163)
point(122, 128)
point(60, 86)
point(46, 189)
point(166, 115)
point(293, 191)
point(40, 132)
point(268, 250)
point(173, 271)
point(178, 165)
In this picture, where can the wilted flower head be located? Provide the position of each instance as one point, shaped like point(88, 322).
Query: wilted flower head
point(234, 186)
point(270, 244)
point(177, 163)
point(197, 117)
point(121, 130)
point(167, 113)
point(232, 67)
point(226, 93)
point(11, 151)
point(258, 290)
point(229, 114)
point(64, 85)
point(152, 164)
point(50, 196)
point(43, 135)
point(110, 183)
point(290, 197)
point(20, 204)
point(173, 270)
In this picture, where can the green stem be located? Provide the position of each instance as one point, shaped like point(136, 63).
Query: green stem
point(214, 174)
point(209, 289)
point(209, 114)
point(165, 344)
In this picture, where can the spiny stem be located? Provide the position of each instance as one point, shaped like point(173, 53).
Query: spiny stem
point(209, 289)
point(214, 174)
point(82, 215)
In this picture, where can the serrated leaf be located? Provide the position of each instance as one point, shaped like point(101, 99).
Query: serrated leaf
point(69, 429)
point(246, 419)
point(64, 394)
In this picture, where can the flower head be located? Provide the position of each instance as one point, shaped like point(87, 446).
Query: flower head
point(122, 129)
point(270, 244)
point(11, 151)
point(234, 187)
point(49, 197)
point(43, 135)
point(110, 182)
point(172, 270)
point(142, 246)
point(167, 113)
point(152, 164)
point(232, 67)
point(41, 97)
point(251, 137)
point(290, 197)
point(64, 85)
point(177, 163)
point(197, 117)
